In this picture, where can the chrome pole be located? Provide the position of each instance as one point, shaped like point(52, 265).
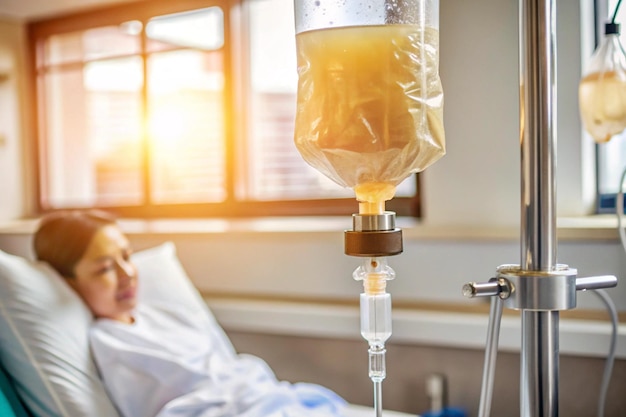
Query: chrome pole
point(539, 287)
point(540, 348)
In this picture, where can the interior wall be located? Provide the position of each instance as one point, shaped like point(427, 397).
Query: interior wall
point(429, 269)
point(12, 120)
point(342, 366)
point(476, 183)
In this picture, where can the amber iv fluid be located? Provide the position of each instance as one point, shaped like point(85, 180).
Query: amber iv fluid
point(602, 90)
point(603, 104)
point(370, 105)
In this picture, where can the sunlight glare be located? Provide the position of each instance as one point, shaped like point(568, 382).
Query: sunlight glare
point(167, 127)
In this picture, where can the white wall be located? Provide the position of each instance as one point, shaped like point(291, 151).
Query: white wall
point(475, 186)
point(13, 126)
point(272, 266)
point(477, 182)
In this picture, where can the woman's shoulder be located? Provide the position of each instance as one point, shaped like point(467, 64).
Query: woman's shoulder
point(147, 314)
point(149, 320)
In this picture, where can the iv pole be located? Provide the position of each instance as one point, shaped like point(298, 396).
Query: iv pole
point(538, 287)
point(540, 329)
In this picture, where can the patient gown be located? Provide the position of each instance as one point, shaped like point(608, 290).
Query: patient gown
point(175, 363)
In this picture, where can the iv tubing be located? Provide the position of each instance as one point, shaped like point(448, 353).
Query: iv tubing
point(491, 353)
point(608, 367)
point(378, 398)
point(604, 297)
point(619, 210)
point(615, 12)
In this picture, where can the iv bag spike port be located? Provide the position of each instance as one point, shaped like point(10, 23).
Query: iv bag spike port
point(373, 236)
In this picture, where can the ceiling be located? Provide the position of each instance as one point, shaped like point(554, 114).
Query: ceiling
point(26, 10)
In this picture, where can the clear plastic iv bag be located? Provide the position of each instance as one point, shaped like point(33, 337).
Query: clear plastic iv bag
point(602, 90)
point(370, 100)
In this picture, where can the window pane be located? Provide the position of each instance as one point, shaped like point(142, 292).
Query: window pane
point(142, 117)
point(275, 169)
point(612, 161)
point(92, 44)
point(201, 29)
point(186, 127)
point(93, 134)
point(407, 188)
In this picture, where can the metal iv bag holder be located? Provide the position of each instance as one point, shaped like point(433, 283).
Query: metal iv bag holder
point(538, 287)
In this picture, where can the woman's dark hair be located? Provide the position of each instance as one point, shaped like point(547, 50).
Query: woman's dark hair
point(62, 237)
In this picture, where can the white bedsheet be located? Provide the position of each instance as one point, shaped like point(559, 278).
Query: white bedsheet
point(176, 364)
point(361, 411)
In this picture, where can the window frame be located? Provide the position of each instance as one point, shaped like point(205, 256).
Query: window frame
point(236, 88)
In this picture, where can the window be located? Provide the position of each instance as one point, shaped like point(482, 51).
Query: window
point(161, 108)
point(612, 155)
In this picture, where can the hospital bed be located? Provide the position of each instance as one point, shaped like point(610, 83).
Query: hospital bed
point(45, 366)
point(11, 405)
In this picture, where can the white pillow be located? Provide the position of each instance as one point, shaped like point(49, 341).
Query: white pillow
point(163, 279)
point(44, 326)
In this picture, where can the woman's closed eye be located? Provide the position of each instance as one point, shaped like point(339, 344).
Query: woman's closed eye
point(105, 268)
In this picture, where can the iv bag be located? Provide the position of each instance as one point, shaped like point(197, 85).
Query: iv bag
point(602, 90)
point(370, 100)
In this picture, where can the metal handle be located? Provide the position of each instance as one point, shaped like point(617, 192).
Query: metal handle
point(495, 286)
point(595, 283)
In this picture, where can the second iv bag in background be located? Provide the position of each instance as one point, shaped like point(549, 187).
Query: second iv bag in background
point(370, 100)
point(602, 90)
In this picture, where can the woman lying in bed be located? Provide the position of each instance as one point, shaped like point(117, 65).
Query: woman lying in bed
point(162, 360)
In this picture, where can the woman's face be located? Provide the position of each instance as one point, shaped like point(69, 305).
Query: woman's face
point(105, 278)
